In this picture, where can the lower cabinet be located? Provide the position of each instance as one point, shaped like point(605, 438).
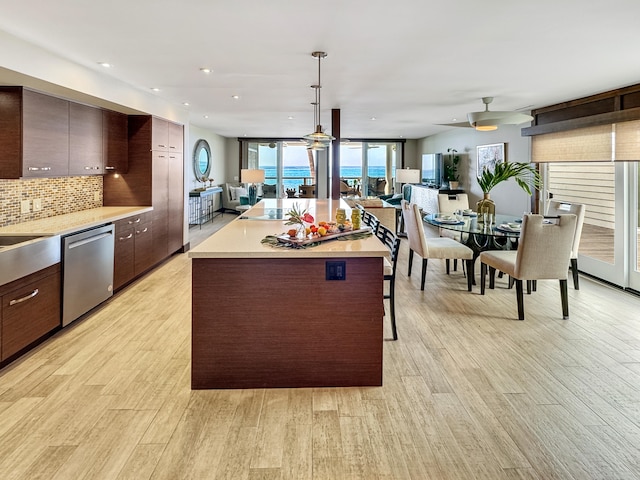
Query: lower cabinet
point(133, 248)
point(30, 310)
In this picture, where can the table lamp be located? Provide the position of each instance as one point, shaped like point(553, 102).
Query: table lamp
point(252, 176)
point(407, 175)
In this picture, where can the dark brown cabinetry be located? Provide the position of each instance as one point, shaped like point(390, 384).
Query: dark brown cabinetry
point(30, 310)
point(34, 132)
point(133, 244)
point(154, 177)
point(114, 141)
point(85, 140)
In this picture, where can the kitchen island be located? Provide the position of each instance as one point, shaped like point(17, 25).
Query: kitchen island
point(265, 317)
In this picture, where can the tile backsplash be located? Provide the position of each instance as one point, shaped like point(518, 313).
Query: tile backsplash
point(56, 196)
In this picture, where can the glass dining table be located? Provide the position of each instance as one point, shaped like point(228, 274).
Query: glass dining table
point(477, 235)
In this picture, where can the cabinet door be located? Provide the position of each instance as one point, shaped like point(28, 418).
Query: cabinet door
point(159, 134)
point(160, 202)
point(176, 137)
point(29, 312)
point(45, 136)
point(123, 261)
point(143, 247)
point(176, 201)
point(85, 140)
point(115, 143)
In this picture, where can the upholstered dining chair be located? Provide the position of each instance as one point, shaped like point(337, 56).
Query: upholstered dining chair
point(392, 242)
point(449, 203)
point(558, 207)
point(441, 247)
point(543, 253)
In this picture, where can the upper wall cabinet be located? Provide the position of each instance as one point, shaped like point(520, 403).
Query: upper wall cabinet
point(85, 140)
point(114, 141)
point(34, 134)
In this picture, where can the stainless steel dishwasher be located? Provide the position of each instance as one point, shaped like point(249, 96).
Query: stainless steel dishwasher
point(87, 271)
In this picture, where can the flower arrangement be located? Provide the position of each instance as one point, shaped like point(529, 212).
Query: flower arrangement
point(298, 217)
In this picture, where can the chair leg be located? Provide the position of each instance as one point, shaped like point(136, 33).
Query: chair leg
point(469, 274)
point(574, 272)
point(392, 308)
point(447, 263)
point(483, 275)
point(528, 287)
point(534, 285)
point(410, 262)
point(520, 297)
point(424, 273)
point(564, 296)
point(492, 278)
point(455, 264)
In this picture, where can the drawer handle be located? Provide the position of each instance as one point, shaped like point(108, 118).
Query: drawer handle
point(161, 145)
point(23, 299)
point(143, 231)
point(137, 220)
point(37, 169)
point(126, 238)
point(89, 167)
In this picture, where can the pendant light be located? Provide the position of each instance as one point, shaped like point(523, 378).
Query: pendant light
point(318, 139)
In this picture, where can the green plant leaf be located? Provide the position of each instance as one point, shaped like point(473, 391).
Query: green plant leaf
point(524, 174)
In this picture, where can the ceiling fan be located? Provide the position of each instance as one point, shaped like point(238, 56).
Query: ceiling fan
point(489, 120)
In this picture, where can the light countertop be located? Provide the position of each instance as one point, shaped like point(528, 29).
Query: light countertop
point(241, 237)
point(72, 222)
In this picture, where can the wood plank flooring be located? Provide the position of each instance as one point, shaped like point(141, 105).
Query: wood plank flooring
point(469, 393)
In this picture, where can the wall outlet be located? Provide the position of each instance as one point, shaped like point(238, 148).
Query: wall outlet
point(96, 196)
point(25, 206)
point(37, 204)
point(235, 178)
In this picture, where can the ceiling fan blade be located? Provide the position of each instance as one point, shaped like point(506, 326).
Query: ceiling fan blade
point(458, 124)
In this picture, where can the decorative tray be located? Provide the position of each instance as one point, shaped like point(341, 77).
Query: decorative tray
point(315, 239)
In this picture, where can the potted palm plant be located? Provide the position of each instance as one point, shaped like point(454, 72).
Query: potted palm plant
point(525, 175)
point(451, 168)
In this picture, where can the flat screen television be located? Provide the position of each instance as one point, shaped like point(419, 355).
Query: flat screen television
point(432, 169)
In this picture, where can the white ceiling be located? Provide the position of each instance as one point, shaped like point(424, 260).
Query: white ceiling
point(411, 64)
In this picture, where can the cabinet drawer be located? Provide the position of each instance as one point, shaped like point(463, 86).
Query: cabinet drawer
point(29, 312)
point(123, 270)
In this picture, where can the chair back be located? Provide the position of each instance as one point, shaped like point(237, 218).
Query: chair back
point(392, 242)
point(414, 229)
point(544, 249)
point(371, 220)
point(449, 202)
point(558, 207)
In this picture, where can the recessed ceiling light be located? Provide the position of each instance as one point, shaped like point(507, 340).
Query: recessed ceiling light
point(186, 104)
point(105, 64)
point(235, 97)
point(373, 118)
point(206, 70)
point(290, 117)
point(206, 116)
point(454, 119)
point(155, 89)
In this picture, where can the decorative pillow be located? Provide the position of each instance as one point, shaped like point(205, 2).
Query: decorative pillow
point(240, 192)
point(232, 193)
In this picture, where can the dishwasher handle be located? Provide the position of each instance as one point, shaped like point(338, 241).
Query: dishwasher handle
point(25, 298)
point(84, 241)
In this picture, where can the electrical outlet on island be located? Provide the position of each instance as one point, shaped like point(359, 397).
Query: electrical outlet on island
point(37, 204)
point(25, 206)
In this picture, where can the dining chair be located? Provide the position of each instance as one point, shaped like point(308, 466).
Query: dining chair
point(543, 253)
point(559, 207)
point(392, 242)
point(371, 220)
point(440, 247)
point(449, 203)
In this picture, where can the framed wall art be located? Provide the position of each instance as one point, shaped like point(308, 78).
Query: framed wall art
point(489, 155)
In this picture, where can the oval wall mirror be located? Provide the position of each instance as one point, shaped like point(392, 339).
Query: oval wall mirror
point(202, 159)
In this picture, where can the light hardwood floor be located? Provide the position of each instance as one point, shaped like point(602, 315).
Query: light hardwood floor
point(469, 393)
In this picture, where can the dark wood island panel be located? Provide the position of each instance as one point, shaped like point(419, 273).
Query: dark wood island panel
point(276, 322)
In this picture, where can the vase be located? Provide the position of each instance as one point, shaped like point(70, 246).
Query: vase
point(486, 205)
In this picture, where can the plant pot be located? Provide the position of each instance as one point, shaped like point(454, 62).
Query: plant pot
point(453, 184)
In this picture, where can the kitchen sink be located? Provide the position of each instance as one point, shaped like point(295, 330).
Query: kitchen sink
point(24, 254)
point(9, 240)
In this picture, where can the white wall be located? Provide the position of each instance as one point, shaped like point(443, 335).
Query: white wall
point(509, 197)
point(218, 147)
